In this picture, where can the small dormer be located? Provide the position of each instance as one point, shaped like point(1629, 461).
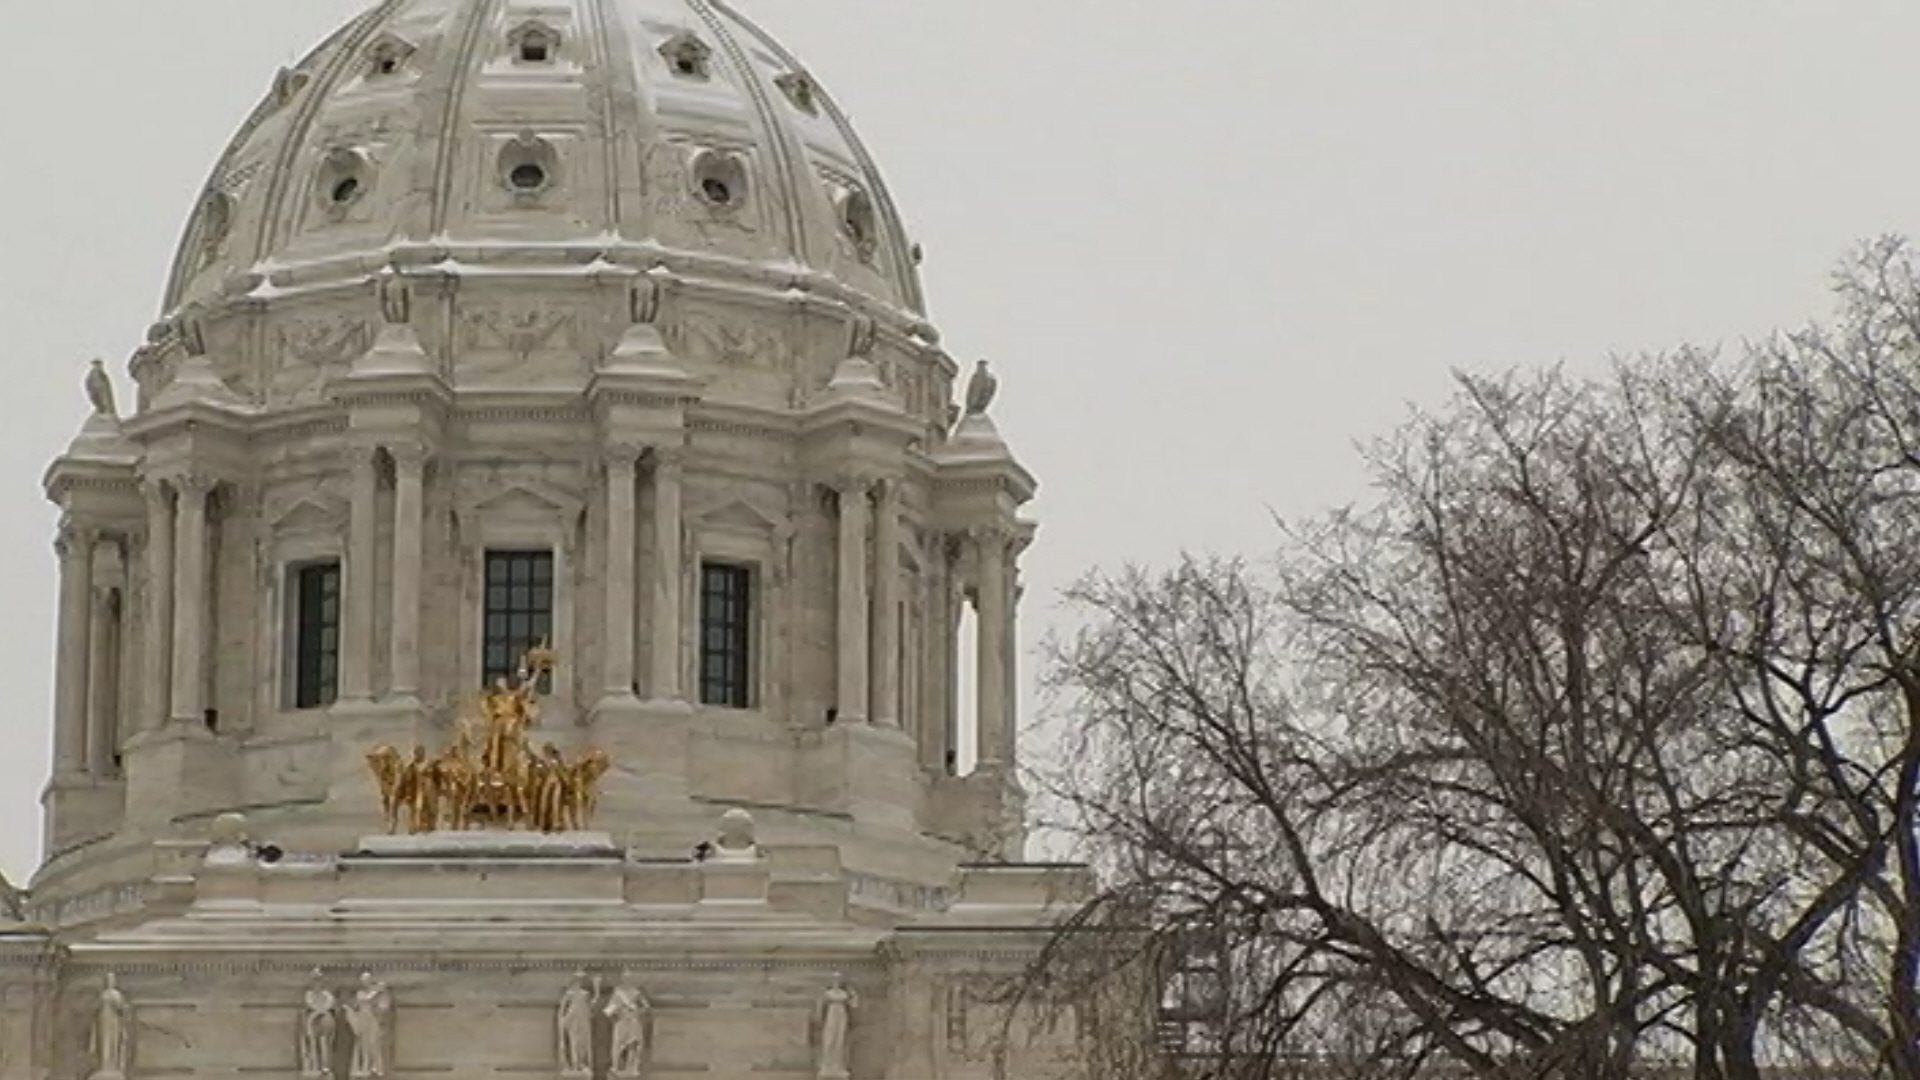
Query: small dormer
point(799, 90)
point(388, 55)
point(534, 42)
point(687, 56)
point(287, 84)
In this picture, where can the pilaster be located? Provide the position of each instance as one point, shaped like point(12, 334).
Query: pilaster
point(851, 641)
point(619, 684)
point(75, 547)
point(885, 707)
point(666, 688)
point(356, 642)
point(409, 467)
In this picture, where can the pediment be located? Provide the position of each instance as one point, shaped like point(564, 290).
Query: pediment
point(525, 501)
point(742, 516)
point(310, 514)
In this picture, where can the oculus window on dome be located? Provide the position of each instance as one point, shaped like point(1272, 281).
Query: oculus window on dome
point(342, 180)
point(518, 612)
point(719, 179)
point(314, 619)
point(726, 635)
point(528, 164)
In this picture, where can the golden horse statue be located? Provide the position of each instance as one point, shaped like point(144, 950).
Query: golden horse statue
point(508, 786)
point(384, 762)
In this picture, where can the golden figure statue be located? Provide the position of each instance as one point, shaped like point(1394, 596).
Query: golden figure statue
point(420, 787)
point(509, 786)
point(457, 786)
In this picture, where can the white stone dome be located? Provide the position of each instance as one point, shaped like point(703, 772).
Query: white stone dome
point(498, 132)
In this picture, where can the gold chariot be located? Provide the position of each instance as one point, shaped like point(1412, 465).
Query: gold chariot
point(508, 785)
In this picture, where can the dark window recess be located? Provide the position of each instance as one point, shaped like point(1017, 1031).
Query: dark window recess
point(726, 635)
point(533, 51)
point(519, 610)
point(527, 177)
point(316, 635)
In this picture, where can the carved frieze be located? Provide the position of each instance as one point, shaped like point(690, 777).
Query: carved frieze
point(313, 349)
point(525, 342)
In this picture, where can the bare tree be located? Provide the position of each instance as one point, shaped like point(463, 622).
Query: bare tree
point(1590, 747)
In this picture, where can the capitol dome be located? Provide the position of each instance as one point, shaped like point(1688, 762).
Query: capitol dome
point(585, 328)
point(546, 609)
point(674, 131)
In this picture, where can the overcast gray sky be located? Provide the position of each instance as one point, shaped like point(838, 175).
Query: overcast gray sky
point(1209, 245)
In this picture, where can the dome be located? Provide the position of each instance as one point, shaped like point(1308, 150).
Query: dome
point(503, 133)
point(584, 330)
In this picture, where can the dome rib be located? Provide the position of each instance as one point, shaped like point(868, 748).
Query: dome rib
point(776, 132)
point(179, 274)
point(273, 222)
point(904, 275)
point(459, 70)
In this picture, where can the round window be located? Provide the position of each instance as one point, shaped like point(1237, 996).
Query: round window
point(344, 190)
point(716, 190)
point(527, 177)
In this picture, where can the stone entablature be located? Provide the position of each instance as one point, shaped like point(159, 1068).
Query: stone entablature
point(472, 944)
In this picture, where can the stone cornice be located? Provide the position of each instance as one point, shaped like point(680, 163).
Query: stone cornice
point(696, 275)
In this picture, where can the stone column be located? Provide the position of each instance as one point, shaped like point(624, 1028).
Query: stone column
point(190, 601)
point(990, 605)
point(356, 643)
point(75, 547)
point(409, 465)
point(156, 662)
point(852, 643)
point(666, 576)
point(103, 679)
point(886, 607)
point(619, 590)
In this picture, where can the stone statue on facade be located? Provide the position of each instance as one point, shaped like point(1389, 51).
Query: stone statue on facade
point(836, 1020)
point(981, 388)
point(318, 1023)
point(574, 1023)
point(100, 390)
point(627, 1009)
point(368, 1015)
point(112, 1032)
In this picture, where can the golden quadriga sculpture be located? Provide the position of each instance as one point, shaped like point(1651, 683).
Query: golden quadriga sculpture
point(507, 786)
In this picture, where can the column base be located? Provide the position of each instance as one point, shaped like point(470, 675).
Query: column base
point(177, 769)
point(984, 812)
point(646, 741)
point(614, 704)
point(77, 808)
point(358, 727)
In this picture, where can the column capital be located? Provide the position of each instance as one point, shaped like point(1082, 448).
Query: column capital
point(156, 490)
point(666, 460)
point(851, 482)
point(410, 455)
point(75, 539)
point(622, 455)
point(990, 535)
point(194, 484)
